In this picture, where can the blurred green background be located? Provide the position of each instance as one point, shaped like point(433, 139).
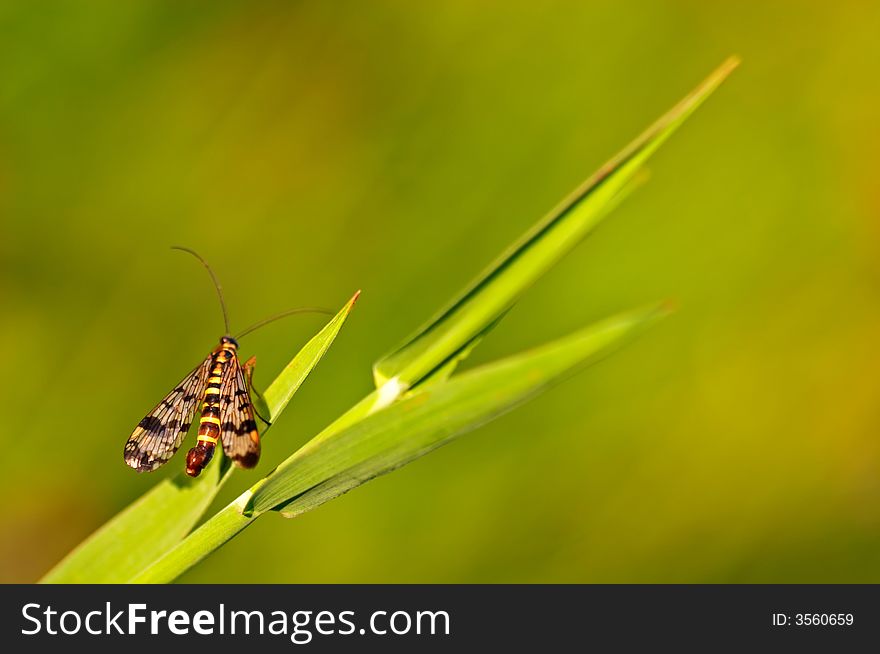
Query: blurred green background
point(311, 149)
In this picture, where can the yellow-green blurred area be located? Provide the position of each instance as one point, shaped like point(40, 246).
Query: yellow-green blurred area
point(311, 149)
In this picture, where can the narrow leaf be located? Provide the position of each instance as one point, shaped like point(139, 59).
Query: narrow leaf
point(291, 378)
point(136, 536)
point(428, 418)
point(498, 288)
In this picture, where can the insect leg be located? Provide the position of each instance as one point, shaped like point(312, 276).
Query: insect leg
point(248, 369)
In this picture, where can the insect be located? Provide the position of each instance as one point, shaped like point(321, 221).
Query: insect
point(221, 384)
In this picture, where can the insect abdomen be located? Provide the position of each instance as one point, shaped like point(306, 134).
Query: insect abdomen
point(209, 424)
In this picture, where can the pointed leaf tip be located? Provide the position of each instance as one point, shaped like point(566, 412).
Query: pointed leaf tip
point(448, 337)
point(278, 394)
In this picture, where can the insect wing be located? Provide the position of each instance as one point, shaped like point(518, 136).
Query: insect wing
point(238, 429)
point(159, 434)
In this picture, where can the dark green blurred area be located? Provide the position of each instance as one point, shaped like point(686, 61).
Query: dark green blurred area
point(311, 149)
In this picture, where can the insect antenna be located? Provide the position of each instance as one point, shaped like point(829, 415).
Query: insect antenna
point(213, 278)
point(283, 314)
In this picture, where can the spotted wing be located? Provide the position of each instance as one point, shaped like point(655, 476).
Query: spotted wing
point(238, 429)
point(159, 434)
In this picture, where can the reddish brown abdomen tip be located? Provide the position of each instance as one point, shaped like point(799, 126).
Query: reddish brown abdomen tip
point(197, 458)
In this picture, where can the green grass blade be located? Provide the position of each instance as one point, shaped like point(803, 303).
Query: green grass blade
point(445, 370)
point(498, 288)
point(209, 537)
point(332, 464)
point(428, 418)
point(133, 538)
point(291, 378)
point(163, 516)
